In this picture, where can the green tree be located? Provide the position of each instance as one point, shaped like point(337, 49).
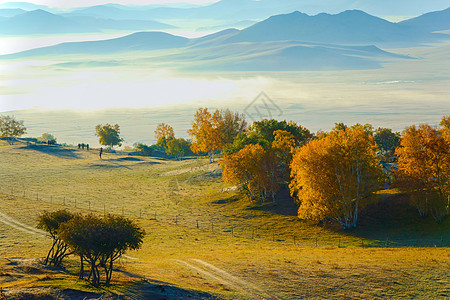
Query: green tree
point(101, 241)
point(109, 135)
point(10, 128)
point(51, 222)
point(47, 138)
point(387, 141)
point(265, 129)
point(178, 147)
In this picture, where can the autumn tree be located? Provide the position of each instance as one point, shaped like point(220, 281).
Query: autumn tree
point(51, 222)
point(109, 135)
point(163, 134)
point(334, 176)
point(207, 133)
point(246, 168)
point(424, 169)
point(10, 128)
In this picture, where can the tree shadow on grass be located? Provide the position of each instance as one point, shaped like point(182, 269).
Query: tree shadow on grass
point(394, 222)
point(284, 205)
point(53, 150)
point(155, 289)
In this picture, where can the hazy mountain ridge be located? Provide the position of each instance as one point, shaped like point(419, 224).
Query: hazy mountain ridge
point(43, 22)
point(239, 10)
point(140, 41)
point(349, 40)
point(348, 27)
point(433, 21)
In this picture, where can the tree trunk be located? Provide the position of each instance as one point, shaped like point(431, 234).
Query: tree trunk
point(81, 276)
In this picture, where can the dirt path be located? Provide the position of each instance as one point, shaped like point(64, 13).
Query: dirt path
point(5, 219)
point(229, 280)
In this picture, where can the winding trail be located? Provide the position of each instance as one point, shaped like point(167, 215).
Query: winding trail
point(5, 219)
point(229, 280)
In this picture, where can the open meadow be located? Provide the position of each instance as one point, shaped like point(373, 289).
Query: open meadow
point(204, 239)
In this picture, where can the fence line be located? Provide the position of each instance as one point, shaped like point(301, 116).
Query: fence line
point(249, 232)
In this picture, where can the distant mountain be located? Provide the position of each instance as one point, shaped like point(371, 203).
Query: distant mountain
point(110, 24)
point(433, 21)
point(42, 22)
point(238, 10)
point(23, 5)
point(281, 56)
point(141, 41)
point(349, 27)
point(11, 12)
point(211, 53)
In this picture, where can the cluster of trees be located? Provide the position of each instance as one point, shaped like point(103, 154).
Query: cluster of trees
point(98, 241)
point(259, 158)
point(332, 175)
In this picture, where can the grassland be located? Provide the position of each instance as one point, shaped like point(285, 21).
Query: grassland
point(238, 250)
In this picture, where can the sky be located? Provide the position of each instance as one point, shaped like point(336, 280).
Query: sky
point(83, 3)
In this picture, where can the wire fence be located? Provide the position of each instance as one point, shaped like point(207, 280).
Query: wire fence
point(189, 219)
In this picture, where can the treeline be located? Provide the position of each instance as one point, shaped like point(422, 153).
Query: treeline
point(331, 175)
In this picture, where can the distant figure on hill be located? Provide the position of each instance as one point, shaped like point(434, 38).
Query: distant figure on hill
point(79, 146)
point(48, 142)
point(101, 151)
point(82, 146)
point(87, 147)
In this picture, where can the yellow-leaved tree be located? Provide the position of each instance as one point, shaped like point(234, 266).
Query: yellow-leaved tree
point(206, 132)
point(247, 168)
point(163, 134)
point(334, 176)
point(424, 168)
point(211, 132)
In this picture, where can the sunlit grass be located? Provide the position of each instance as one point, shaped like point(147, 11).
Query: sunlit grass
point(252, 241)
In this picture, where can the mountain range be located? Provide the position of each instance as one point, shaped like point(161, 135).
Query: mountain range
point(239, 10)
point(42, 22)
point(295, 41)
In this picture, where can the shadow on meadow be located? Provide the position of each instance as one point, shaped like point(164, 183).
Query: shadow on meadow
point(57, 151)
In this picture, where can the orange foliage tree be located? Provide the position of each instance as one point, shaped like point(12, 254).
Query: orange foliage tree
point(246, 168)
point(334, 176)
point(206, 133)
point(211, 132)
point(163, 134)
point(424, 168)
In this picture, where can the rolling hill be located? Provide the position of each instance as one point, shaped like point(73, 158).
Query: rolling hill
point(140, 41)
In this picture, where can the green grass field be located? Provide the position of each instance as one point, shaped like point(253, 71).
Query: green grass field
point(204, 239)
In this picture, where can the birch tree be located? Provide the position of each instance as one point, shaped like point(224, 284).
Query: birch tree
point(334, 176)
